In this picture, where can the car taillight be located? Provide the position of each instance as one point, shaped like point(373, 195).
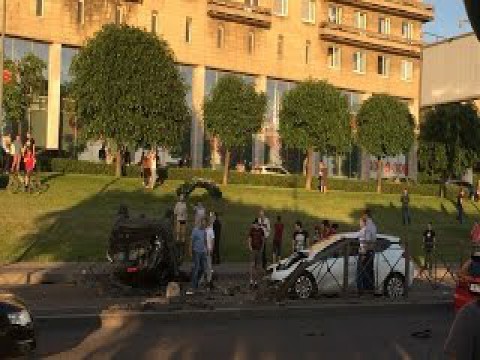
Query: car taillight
point(463, 283)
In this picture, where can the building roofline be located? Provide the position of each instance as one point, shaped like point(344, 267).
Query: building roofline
point(450, 39)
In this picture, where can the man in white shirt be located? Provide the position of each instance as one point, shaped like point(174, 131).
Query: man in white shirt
point(264, 223)
point(370, 239)
point(181, 213)
point(210, 244)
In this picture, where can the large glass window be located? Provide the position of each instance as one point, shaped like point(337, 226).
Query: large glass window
point(280, 7)
point(361, 20)
point(275, 91)
point(383, 65)
point(406, 70)
point(359, 62)
point(384, 26)
point(407, 30)
point(334, 57)
point(308, 11)
point(335, 14)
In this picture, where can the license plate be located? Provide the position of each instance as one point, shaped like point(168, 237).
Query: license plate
point(475, 288)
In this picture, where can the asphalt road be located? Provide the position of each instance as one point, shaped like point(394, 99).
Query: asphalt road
point(381, 333)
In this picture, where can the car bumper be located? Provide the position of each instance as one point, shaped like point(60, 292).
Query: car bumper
point(462, 297)
point(19, 340)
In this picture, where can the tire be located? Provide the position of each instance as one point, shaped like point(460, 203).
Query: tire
point(305, 286)
point(394, 286)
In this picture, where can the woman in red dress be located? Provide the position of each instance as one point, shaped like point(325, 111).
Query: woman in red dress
point(29, 161)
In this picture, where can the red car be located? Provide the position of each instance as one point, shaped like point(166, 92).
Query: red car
point(468, 285)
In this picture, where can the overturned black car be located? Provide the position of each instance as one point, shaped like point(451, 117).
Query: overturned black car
point(143, 249)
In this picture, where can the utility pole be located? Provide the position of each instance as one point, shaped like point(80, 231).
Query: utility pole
point(2, 50)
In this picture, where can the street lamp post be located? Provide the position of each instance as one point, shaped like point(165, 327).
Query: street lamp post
point(2, 50)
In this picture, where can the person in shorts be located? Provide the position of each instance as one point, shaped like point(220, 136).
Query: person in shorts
point(29, 163)
point(181, 214)
point(277, 239)
point(256, 239)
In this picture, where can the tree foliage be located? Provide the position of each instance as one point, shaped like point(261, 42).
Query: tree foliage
point(449, 140)
point(315, 116)
point(26, 84)
point(384, 128)
point(128, 89)
point(233, 112)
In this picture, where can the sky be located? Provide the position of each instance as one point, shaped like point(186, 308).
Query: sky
point(448, 14)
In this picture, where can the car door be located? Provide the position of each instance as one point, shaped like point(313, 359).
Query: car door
point(328, 268)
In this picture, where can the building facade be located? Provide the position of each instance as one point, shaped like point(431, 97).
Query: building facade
point(362, 47)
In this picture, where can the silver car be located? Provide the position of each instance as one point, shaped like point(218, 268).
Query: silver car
point(270, 170)
point(325, 265)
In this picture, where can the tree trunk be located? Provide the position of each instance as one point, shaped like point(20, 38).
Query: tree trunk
point(379, 175)
point(308, 183)
point(118, 163)
point(225, 167)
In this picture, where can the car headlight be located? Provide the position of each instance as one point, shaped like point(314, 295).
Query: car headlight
point(21, 318)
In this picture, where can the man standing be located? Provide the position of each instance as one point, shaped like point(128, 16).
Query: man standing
point(264, 223)
point(277, 239)
point(405, 200)
point(428, 247)
point(464, 339)
point(181, 214)
point(256, 240)
point(370, 239)
point(210, 242)
point(17, 154)
point(217, 229)
point(7, 153)
point(300, 238)
point(199, 254)
point(460, 198)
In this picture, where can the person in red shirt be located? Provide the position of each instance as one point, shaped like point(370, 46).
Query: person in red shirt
point(256, 239)
point(277, 239)
point(29, 161)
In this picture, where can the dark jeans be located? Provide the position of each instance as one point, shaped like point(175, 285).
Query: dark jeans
point(365, 273)
point(460, 214)
point(216, 251)
point(264, 256)
point(199, 266)
point(428, 264)
point(7, 162)
point(406, 215)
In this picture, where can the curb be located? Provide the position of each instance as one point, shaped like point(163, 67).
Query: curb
point(117, 318)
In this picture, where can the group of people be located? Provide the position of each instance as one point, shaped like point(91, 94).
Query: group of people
point(18, 155)
point(204, 247)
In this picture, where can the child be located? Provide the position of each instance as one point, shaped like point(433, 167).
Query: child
point(29, 161)
point(277, 239)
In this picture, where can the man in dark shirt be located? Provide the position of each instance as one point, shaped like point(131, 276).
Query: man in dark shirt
point(300, 238)
point(405, 200)
point(428, 247)
point(277, 239)
point(256, 239)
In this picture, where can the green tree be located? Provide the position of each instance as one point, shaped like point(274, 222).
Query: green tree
point(234, 111)
point(315, 116)
point(26, 85)
point(128, 90)
point(384, 128)
point(449, 140)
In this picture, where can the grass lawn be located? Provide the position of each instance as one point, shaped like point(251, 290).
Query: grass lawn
point(72, 220)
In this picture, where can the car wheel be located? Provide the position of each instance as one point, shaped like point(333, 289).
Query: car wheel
point(394, 286)
point(305, 286)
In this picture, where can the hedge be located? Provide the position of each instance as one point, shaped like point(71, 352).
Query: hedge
point(70, 166)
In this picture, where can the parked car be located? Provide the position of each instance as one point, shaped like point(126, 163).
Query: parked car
point(17, 330)
point(143, 249)
point(270, 170)
point(468, 284)
point(325, 272)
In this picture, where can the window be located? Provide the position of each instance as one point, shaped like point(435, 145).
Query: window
point(251, 42)
point(308, 44)
point(220, 36)
point(407, 30)
point(359, 62)
point(40, 7)
point(280, 47)
point(383, 66)
point(154, 25)
point(251, 3)
point(118, 15)
point(407, 70)
point(361, 20)
point(188, 30)
point(334, 57)
point(308, 11)
point(384, 26)
point(335, 14)
point(80, 12)
point(280, 7)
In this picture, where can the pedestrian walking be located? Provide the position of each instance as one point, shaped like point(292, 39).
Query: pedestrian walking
point(367, 238)
point(300, 238)
point(210, 242)
point(323, 170)
point(217, 229)
point(146, 169)
point(460, 199)
point(199, 254)
point(264, 223)
point(256, 239)
point(200, 213)
point(405, 201)
point(362, 252)
point(277, 239)
point(16, 150)
point(7, 153)
point(181, 214)
point(29, 165)
point(428, 248)
point(153, 169)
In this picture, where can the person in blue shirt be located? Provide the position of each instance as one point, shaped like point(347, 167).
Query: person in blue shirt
point(199, 254)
